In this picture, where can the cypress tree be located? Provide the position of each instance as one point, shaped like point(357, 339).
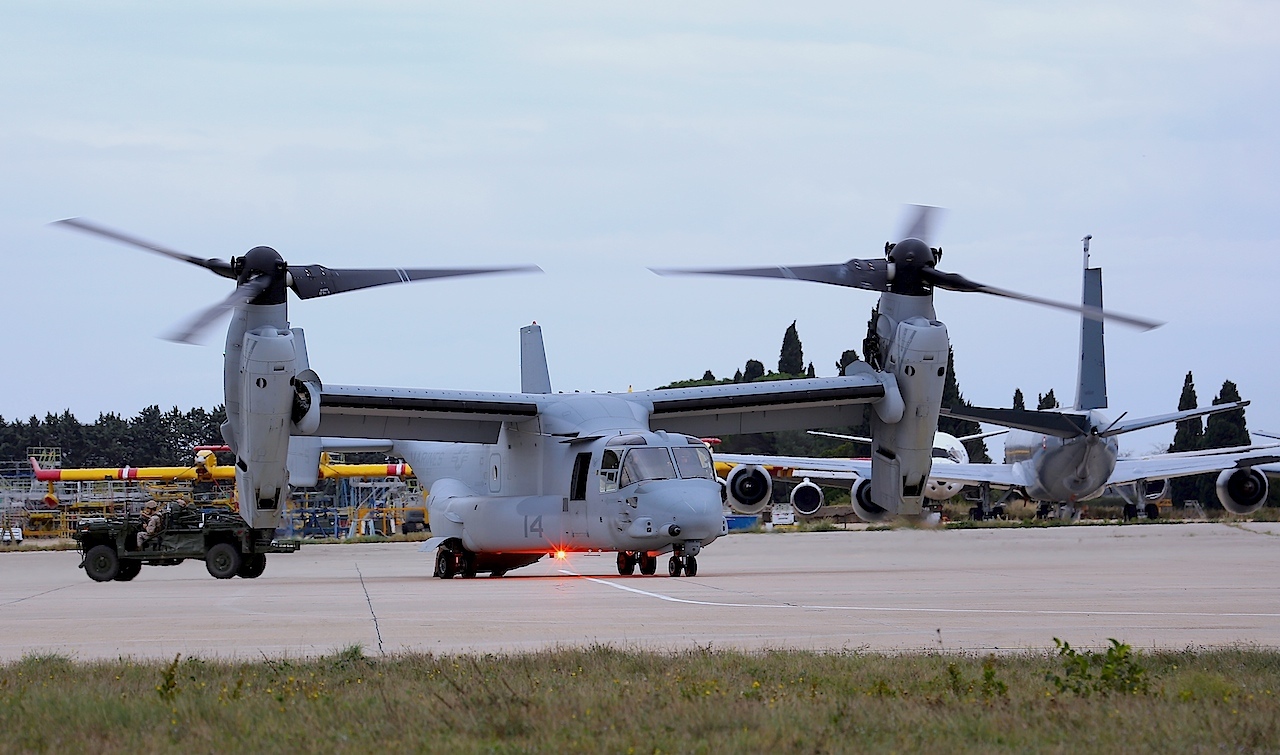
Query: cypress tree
point(1222, 430)
point(791, 357)
point(1047, 401)
point(847, 358)
point(1018, 401)
point(754, 369)
point(1189, 436)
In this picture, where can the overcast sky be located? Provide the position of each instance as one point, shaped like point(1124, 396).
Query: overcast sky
point(598, 139)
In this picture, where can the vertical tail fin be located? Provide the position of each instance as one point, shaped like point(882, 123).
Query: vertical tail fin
point(1091, 382)
point(534, 376)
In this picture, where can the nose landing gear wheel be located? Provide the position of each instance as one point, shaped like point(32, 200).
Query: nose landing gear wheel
point(691, 566)
point(675, 566)
point(648, 564)
point(626, 563)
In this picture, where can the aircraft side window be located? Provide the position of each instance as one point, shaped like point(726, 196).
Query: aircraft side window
point(609, 472)
point(578, 483)
point(646, 464)
point(694, 463)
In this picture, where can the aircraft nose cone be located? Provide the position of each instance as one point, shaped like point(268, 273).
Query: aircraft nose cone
point(685, 509)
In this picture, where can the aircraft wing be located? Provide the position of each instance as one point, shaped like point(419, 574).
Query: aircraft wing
point(1166, 466)
point(835, 470)
point(419, 413)
point(758, 407)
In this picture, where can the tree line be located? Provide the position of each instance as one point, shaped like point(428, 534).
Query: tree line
point(150, 438)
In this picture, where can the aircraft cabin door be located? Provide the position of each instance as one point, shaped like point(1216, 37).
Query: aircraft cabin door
point(575, 506)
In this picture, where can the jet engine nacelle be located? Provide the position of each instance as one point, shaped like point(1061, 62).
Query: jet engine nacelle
point(863, 506)
point(807, 498)
point(1153, 490)
point(1242, 491)
point(748, 488)
point(306, 403)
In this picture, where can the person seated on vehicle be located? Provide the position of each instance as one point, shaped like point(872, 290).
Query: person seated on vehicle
point(150, 525)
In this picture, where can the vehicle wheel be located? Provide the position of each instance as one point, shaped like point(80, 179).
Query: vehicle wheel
point(467, 565)
point(101, 563)
point(222, 561)
point(444, 564)
point(675, 566)
point(1153, 511)
point(648, 564)
point(128, 570)
point(626, 564)
point(997, 512)
point(691, 566)
point(253, 566)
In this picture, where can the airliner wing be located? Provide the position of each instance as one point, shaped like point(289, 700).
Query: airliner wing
point(833, 470)
point(1165, 466)
point(419, 413)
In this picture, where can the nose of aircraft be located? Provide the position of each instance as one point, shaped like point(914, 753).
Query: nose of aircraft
point(682, 509)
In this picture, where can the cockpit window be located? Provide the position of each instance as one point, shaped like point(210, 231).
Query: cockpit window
point(694, 463)
point(646, 464)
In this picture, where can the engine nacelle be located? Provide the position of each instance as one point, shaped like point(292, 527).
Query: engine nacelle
point(807, 498)
point(1242, 491)
point(305, 412)
point(748, 488)
point(1153, 490)
point(863, 506)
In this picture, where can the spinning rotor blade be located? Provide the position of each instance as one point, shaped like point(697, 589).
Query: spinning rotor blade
point(309, 281)
point(871, 275)
point(221, 267)
point(196, 326)
point(920, 222)
point(956, 282)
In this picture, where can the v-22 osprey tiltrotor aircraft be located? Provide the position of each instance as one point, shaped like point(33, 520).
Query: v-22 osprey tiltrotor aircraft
point(512, 476)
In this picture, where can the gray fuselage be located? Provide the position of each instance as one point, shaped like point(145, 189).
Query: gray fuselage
point(587, 474)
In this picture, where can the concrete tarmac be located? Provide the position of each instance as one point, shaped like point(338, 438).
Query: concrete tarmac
point(1152, 586)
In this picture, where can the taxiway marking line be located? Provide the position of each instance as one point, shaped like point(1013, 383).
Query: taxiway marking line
point(902, 609)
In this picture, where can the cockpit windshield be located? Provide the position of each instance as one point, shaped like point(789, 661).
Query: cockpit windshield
point(694, 462)
point(646, 464)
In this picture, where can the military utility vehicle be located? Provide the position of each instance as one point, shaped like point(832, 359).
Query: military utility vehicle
point(218, 536)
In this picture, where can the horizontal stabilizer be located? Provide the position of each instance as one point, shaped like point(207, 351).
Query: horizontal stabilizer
point(1057, 424)
point(1164, 419)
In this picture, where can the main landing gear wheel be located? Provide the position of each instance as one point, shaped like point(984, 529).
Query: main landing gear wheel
point(1153, 511)
point(626, 563)
point(467, 565)
point(222, 561)
point(128, 570)
point(675, 566)
point(648, 564)
point(1130, 511)
point(253, 566)
point(691, 566)
point(444, 564)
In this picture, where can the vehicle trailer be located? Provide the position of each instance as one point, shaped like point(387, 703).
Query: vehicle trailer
point(221, 538)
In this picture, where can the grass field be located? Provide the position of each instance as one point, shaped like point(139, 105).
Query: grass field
point(605, 699)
